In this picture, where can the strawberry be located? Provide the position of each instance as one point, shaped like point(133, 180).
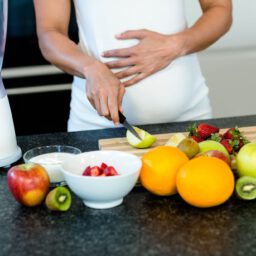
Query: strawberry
point(205, 130)
point(196, 138)
point(87, 171)
point(236, 138)
point(96, 171)
point(235, 144)
point(239, 142)
point(227, 145)
point(103, 166)
point(193, 133)
point(192, 129)
point(216, 137)
point(242, 142)
point(110, 171)
point(231, 133)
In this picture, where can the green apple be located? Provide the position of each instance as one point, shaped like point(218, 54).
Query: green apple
point(146, 138)
point(207, 145)
point(246, 160)
point(175, 139)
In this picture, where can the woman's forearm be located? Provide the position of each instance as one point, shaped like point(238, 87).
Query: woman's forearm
point(52, 20)
point(214, 23)
point(59, 50)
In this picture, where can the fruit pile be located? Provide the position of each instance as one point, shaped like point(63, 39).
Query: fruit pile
point(232, 139)
point(204, 166)
point(239, 149)
point(216, 165)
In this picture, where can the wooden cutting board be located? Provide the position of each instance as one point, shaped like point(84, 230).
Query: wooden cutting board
point(121, 144)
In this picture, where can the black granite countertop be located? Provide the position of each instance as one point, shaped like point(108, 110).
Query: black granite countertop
point(144, 224)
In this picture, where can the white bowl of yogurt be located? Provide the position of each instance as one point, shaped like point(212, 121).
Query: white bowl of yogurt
point(51, 158)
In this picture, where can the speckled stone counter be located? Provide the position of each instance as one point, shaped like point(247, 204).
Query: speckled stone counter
point(143, 225)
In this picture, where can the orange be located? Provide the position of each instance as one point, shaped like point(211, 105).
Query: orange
point(159, 168)
point(205, 181)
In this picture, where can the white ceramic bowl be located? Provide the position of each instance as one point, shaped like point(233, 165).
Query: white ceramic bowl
point(51, 157)
point(102, 192)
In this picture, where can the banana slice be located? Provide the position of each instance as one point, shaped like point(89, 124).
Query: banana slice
point(175, 139)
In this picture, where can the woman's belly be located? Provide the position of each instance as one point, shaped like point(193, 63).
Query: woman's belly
point(166, 95)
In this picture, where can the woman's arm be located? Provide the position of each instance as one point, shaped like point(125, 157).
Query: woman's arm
point(104, 90)
point(155, 51)
point(214, 23)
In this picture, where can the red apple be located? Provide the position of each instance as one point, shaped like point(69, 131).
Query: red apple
point(29, 183)
point(215, 153)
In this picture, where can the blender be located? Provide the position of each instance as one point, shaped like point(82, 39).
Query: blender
point(9, 150)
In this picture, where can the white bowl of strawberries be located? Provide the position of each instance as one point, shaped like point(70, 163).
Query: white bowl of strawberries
point(102, 178)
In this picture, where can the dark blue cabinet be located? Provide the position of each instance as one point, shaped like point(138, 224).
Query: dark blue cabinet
point(22, 53)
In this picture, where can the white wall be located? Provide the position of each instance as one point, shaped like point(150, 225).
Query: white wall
point(229, 65)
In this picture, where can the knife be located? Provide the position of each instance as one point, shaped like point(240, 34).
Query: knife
point(123, 121)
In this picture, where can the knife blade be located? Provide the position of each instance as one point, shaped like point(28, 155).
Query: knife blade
point(125, 123)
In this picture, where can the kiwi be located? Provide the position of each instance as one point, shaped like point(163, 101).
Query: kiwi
point(189, 146)
point(246, 187)
point(58, 199)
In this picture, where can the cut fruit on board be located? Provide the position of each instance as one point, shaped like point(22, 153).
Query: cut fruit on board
point(121, 144)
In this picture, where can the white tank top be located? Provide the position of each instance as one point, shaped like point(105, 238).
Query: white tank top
point(172, 94)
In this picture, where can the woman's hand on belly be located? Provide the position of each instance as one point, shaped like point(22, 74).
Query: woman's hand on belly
point(153, 52)
point(104, 91)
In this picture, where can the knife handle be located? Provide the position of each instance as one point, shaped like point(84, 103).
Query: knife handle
point(122, 118)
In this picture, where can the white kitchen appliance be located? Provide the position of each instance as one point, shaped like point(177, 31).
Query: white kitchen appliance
point(9, 150)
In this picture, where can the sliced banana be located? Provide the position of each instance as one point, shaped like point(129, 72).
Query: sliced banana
point(175, 139)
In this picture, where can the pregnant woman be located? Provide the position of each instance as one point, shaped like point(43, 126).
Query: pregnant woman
point(136, 56)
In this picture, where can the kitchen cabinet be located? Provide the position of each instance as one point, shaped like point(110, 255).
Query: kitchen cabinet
point(39, 93)
point(40, 112)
